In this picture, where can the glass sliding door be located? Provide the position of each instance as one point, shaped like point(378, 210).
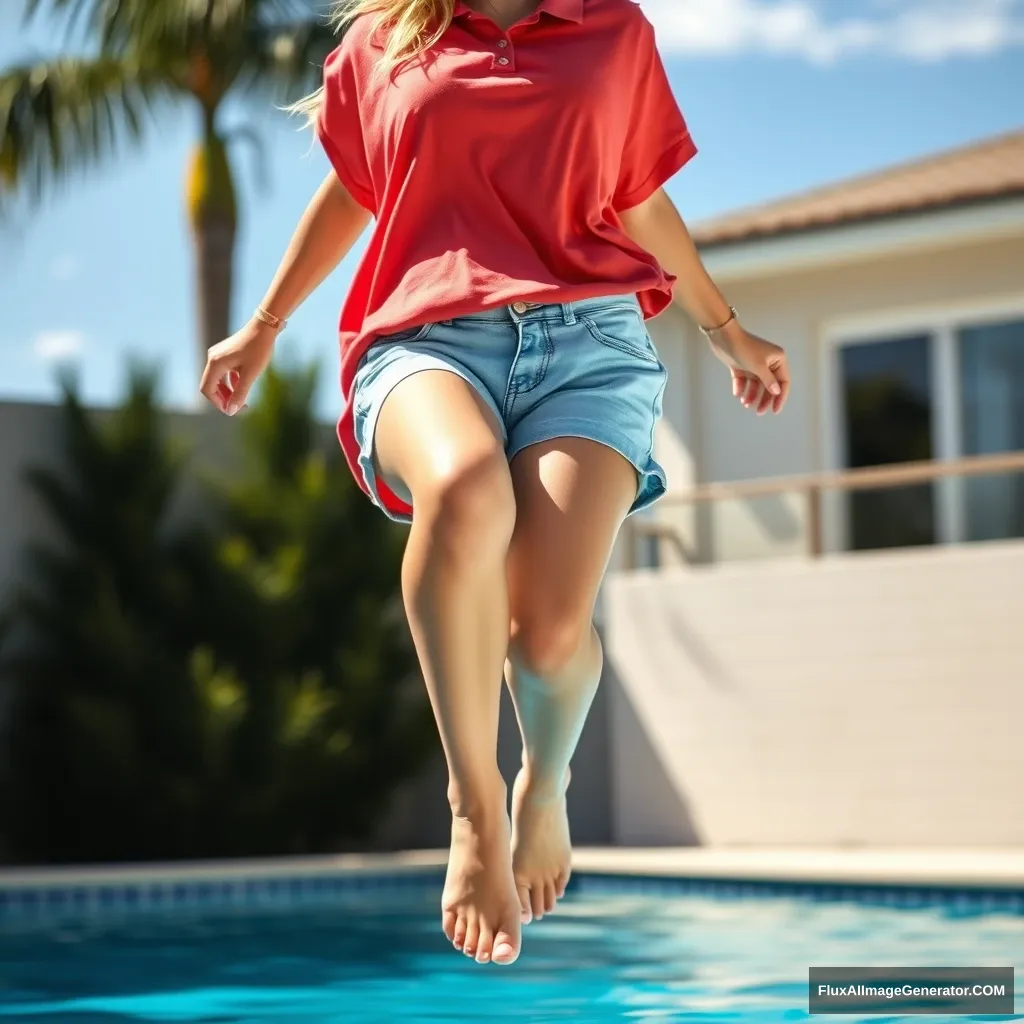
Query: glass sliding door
point(991, 364)
point(887, 390)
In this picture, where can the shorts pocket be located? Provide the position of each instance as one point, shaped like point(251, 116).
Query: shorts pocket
point(399, 337)
point(409, 334)
point(622, 328)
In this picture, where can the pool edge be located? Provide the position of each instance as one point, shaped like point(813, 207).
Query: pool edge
point(959, 869)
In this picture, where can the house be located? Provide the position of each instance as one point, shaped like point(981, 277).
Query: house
point(900, 300)
point(872, 696)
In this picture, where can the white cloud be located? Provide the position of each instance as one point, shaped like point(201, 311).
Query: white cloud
point(921, 30)
point(65, 267)
point(55, 346)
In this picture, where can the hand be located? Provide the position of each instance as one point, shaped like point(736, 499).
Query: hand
point(760, 374)
point(233, 365)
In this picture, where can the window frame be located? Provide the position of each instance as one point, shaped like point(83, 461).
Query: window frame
point(941, 323)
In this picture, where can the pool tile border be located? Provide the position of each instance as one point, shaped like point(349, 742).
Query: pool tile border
point(968, 900)
point(30, 897)
point(102, 899)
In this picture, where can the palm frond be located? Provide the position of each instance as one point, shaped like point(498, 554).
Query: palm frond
point(209, 46)
point(65, 115)
point(120, 23)
point(109, 19)
point(286, 60)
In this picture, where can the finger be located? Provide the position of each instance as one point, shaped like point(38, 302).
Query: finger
point(766, 402)
point(782, 375)
point(213, 378)
point(767, 377)
point(225, 394)
point(244, 380)
point(752, 392)
point(738, 383)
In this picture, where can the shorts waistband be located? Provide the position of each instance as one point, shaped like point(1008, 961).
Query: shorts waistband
point(567, 312)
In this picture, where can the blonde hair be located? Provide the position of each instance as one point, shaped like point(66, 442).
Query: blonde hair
point(409, 27)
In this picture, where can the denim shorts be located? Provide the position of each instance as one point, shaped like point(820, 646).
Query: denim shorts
point(584, 369)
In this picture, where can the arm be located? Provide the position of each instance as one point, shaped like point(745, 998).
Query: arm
point(332, 223)
point(759, 371)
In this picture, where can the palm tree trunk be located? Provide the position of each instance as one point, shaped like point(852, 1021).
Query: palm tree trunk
point(214, 239)
point(212, 212)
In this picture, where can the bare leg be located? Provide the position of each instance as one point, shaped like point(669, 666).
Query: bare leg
point(571, 497)
point(436, 439)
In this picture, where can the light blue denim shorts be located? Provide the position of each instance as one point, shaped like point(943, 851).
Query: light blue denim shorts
point(584, 369)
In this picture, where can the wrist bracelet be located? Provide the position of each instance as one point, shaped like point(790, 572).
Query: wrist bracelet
point(273, 322)
point(708, 331)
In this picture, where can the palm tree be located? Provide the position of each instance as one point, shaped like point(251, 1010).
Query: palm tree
point(60, 116)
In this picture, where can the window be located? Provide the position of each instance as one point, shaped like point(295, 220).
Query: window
point(953, 390)
point(887, 398)
point(992, 413)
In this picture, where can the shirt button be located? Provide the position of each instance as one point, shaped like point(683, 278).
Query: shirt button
point(520, 307)
point(503, 61)
point(503, 43)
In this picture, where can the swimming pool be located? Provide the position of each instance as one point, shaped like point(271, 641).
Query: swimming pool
point(617, 951)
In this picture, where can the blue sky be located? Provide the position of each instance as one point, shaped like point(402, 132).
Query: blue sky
point(781, 95)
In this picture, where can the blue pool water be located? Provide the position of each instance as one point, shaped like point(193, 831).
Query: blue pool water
point(605, 956)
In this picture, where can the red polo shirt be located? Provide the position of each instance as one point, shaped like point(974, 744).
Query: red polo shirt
point(496, 166)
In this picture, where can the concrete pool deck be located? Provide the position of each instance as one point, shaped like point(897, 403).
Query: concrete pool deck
point(947, 868)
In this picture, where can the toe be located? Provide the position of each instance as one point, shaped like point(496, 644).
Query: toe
point(537, 901)
point(561, 883)
point(549, 897)
point(449, 920)
point(461, 926)
point(485, 945)
point(472, 936)
point(526, 911)
point(506, 948)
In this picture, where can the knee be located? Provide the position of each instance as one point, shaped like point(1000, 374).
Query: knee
point(469, 507)
point(546, 646)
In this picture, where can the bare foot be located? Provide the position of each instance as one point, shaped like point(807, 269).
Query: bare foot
point(541, 848)
point(480, 906)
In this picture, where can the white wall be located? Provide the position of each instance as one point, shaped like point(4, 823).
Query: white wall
point(869, 699)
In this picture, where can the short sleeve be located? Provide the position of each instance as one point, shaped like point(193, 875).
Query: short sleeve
point(657, 140)
point(339, 125)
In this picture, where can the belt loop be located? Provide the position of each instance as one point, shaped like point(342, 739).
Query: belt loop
point(568, 313)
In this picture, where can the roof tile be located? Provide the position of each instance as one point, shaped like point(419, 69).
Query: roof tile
point(990, 169)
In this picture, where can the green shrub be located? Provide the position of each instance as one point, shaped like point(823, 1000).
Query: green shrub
point(233, 682)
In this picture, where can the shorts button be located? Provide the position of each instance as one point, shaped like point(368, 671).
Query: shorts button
point(503, 43)
point(503, 61)
point(520, 307)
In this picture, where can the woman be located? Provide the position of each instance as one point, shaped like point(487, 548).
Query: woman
point(497, 372)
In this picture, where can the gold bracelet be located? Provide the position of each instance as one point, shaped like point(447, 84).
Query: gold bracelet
point(273, 322)
point(708, 331)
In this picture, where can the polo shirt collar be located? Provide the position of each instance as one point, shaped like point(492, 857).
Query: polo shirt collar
point(567, 10)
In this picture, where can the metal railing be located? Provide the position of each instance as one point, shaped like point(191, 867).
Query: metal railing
point(813, 486)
